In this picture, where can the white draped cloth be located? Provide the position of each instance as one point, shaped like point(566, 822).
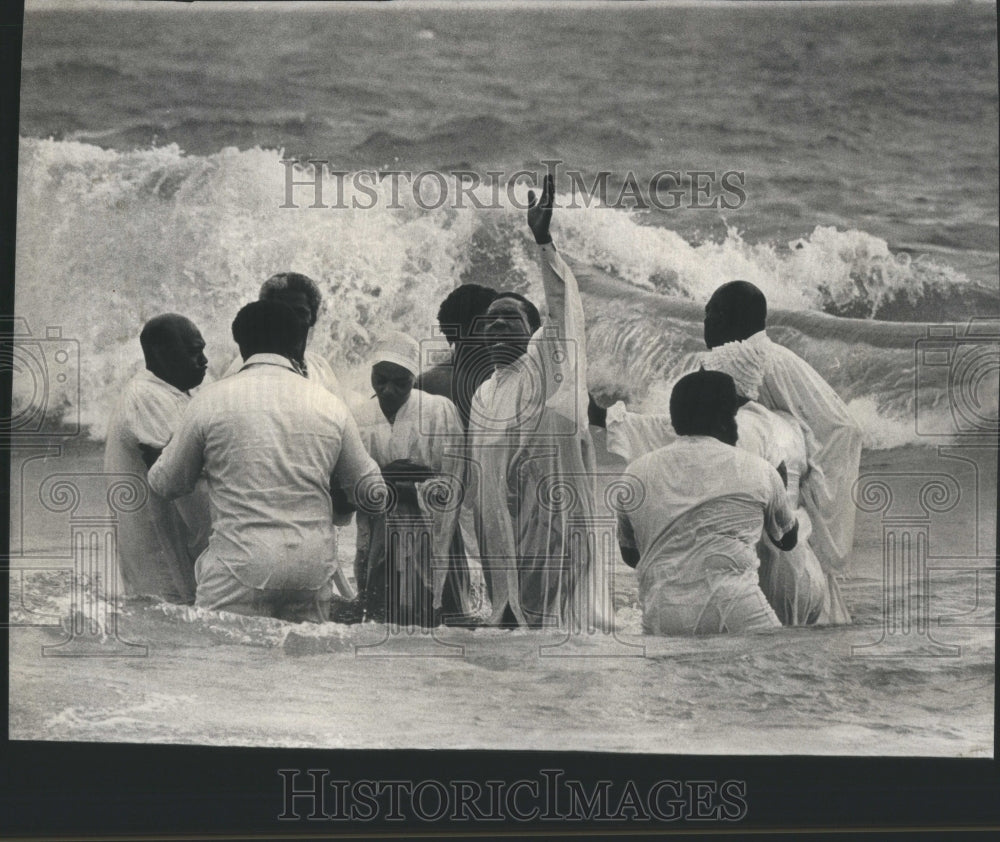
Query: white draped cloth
point(785, 383)
point(705, 506)
point(427, 430)
point(158, 544)
point(531, 485)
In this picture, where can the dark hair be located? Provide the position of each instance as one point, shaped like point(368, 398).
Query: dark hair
point(459, 310)
point(744, 307)
point(267, 327)
point(159, 331)
point(699, 400)
point(530, 310)
point(293, 282)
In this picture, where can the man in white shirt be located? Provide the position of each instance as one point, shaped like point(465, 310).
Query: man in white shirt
point(693, 537)
point(302, 295)
point(272, 445)
point(157, 544)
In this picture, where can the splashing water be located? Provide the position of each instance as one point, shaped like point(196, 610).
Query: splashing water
point(108, 239)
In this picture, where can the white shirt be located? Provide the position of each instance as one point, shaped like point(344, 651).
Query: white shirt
point(158, 543)
point(317, 370)
point(270, 443)
point(704, 507)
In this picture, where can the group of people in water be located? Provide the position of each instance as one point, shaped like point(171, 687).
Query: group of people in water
point(473, 481)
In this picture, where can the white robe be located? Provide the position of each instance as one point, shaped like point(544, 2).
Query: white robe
point(158, 544)
point(832, 439)
point(427, 430)
point(532, 482)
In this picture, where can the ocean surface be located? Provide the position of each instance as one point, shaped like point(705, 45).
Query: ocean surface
point(151, 179)
point(151, 176)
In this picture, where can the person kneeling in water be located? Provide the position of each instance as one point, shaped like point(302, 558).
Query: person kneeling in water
point(693, 538)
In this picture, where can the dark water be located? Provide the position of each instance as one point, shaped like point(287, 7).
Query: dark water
point(151, 177)
point(868, 117)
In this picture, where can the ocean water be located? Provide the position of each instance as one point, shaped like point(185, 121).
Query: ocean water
point(151, 179)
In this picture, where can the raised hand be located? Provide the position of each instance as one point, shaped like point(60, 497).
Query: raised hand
point(540, 212)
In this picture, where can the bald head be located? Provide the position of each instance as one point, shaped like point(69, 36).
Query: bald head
point(735, 311)
point(174, 350)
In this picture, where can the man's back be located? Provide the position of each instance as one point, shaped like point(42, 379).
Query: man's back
point(704, 506)
point(269, 441)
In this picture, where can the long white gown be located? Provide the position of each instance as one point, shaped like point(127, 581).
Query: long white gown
point(532, 480)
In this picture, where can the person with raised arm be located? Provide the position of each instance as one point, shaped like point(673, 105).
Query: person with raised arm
point(532, 462)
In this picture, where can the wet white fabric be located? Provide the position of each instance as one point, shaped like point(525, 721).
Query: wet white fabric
point(532, 474)
point(428, 431)
point(704, 507)
point(318, 371)
point(833, 438)
point(270, 443)
point(744, 363)
point(158, 544)
point(796, 579)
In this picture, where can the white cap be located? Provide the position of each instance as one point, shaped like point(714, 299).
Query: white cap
point(399, 348)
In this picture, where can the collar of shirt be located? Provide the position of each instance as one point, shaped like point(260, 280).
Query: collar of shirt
point(268, 359)
point(147, 375)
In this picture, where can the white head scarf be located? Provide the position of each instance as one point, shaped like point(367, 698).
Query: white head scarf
point(399, 348)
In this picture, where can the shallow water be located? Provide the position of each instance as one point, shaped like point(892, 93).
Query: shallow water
point(218, 679)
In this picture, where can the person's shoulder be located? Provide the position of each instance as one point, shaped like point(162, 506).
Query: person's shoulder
point(754, 467)
point(654, 459)
point(782, 353)
point(367, 413)
point(323, 399)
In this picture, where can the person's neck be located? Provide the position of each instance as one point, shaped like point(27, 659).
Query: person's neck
point(251, 354)
point(165, 378)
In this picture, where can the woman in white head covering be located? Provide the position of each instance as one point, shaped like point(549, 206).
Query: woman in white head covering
point(418, 441)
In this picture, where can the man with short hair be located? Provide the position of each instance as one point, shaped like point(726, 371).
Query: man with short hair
point(157, 544)
point(301, 293)
point(693, 536)
point(273, 444)
point(458, 379)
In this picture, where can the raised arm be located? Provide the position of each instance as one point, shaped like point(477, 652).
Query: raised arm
point(561, 346)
